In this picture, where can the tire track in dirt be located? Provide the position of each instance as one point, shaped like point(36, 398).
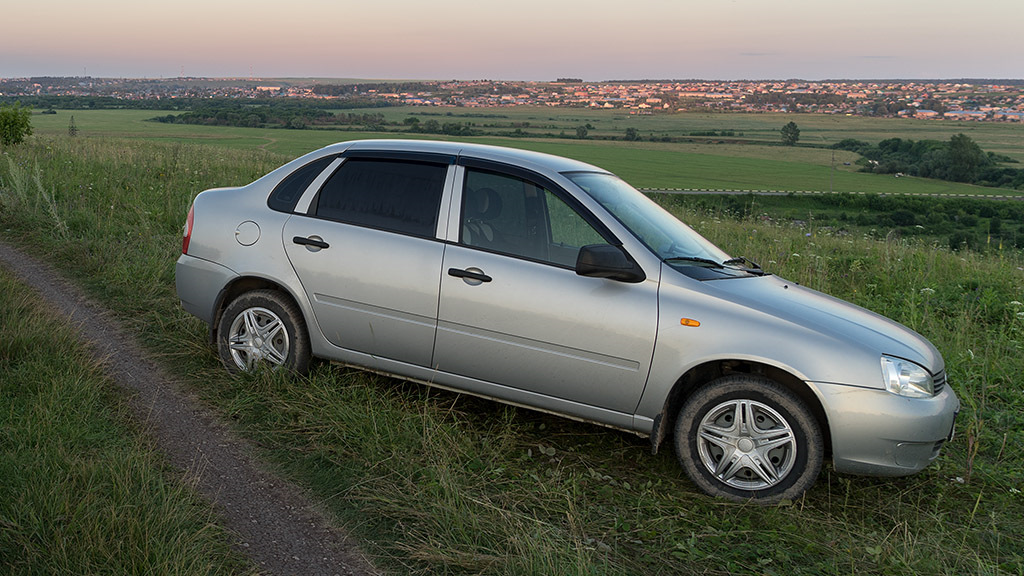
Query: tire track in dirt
point(275, 522)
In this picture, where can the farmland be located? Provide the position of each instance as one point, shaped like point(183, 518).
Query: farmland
point(439, 483)
point(704, 163)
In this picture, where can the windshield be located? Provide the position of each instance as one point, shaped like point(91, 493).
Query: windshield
point(660, 231)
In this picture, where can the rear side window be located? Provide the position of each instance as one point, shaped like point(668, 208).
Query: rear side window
point(396, 195)
point(286, 195)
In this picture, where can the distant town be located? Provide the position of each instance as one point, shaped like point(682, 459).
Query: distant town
point(977, 100)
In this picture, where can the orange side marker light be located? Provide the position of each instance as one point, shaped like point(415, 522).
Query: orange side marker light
point(689, 322)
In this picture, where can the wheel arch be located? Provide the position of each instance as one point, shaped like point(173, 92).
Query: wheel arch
point(701, 374)
point(244, 284)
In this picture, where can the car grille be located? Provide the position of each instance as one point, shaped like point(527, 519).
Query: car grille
point(940, 382)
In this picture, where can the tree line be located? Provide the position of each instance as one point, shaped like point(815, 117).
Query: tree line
point(958, 160)
point(294, 115)
point(959, 223)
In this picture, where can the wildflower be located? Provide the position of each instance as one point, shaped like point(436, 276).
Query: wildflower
point(1015, 304)
point(927, 291)
point(1020, 315)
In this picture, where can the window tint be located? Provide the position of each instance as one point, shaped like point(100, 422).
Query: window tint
point(514, 216)
point(396, 195)
point(287, 193)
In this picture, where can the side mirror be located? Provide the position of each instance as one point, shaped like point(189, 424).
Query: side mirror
point(607, 261)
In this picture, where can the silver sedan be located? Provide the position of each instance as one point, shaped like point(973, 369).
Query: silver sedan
point(552, 284)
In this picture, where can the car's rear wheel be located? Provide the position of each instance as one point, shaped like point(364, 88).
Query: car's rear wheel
point(263, 327)
point(746, 437)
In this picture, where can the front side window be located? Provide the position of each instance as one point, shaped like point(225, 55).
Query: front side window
point(514, 216)
point(395, 195)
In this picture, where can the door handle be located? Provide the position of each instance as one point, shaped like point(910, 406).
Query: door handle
point(469, 274)
point(311, 241)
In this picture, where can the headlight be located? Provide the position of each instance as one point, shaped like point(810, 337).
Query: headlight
point(904, 378)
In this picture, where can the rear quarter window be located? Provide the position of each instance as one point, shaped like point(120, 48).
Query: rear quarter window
point(287, 193)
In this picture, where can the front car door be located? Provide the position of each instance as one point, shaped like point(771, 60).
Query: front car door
point(514, 313)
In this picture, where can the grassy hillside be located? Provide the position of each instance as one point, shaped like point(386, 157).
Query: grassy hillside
point(439, 483)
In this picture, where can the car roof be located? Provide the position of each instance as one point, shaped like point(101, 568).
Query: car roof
point(525, 158)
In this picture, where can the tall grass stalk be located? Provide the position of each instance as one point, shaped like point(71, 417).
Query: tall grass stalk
point(29, 189)
point(439, 483)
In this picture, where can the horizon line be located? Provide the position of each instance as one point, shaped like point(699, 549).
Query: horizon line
point(564, 80)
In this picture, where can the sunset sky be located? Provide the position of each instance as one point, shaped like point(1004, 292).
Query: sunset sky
point(515, 39)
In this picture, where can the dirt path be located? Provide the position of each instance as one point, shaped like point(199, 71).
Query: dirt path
point(275, 522)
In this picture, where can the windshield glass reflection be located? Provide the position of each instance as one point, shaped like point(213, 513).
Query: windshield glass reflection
point(660, 231)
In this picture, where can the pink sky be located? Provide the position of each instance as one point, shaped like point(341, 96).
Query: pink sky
point(515, 39)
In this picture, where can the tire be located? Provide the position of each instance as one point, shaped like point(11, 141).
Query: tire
point(778, 457)
point(263, 327)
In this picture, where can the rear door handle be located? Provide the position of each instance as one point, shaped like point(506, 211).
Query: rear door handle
point(469, 274)
point(311, 241)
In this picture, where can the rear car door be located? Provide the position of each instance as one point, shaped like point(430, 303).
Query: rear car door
point(368, 255)
point(513, 312)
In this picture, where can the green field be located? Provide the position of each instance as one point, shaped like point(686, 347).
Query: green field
point(644, 164)
point(437, 483)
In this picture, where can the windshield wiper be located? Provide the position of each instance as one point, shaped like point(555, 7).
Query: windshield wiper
point(752, 267)
point(741, 260)
point(696, 260)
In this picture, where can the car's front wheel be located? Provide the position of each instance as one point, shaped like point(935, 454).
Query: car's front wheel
point(746, 437)
point(263, 327)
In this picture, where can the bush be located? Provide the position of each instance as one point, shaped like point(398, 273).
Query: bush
point(963, 239)
point(15, 124)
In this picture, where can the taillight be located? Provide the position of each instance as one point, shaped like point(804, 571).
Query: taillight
point(186, 235)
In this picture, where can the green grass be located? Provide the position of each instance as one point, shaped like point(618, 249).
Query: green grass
point(81, 491)
point(437, 483)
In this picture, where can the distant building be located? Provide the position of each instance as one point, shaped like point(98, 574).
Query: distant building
point(965, 115)
point(1008, 115)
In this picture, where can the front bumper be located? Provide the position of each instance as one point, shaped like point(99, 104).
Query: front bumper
point(877, 433)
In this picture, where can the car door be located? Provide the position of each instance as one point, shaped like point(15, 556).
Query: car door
point(368, 256)
point(513, 312)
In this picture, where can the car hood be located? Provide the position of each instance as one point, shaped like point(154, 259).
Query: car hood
point(831, 317)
